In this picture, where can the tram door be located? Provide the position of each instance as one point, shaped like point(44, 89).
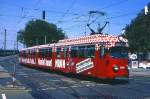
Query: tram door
point(66, 59)
point(85, 59)
point(101, 61)
point(33, 56)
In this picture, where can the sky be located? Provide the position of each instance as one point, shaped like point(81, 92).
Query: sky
point(70, 15)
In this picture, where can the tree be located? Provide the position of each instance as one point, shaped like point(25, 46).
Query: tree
point(35, 32)
point(138, 33)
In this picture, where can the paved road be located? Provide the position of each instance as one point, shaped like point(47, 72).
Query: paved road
point(48, 85)
point(7, 90)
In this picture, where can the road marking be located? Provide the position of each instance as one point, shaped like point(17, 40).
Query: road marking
point(63, 87)
point(49, 88)
point(4, 96)
point(76, 86)
point(54, 80)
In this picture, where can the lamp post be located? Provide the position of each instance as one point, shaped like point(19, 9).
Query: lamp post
point(45, 39)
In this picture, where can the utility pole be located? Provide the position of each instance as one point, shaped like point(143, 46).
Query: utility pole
point(45, 39)
point(5, 40)
point(43, 14)
point(85, 31)
point(17, 44)
point(14, 45)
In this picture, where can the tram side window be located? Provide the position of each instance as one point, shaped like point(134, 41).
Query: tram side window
point(45, 52)
point(58, 53)
point(90, 51)
point(81, 51)
point(28, 53)
point(48, 52)
point(65, 52)
point(33, 52)
point(86, 51)
point(24, 54)
point(41, 53)
point(74, 52)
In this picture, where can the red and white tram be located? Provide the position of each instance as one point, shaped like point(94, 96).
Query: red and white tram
point(100, 56)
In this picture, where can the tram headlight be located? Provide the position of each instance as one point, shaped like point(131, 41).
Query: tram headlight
point(67, 63)
point(115, 68)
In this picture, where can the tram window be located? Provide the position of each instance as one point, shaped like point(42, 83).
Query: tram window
point(58, 53)
point(28, 53)
point(41, 53)
point(45, 52)
point(102, 51)
point(81, 51)
point(65, 52)
point(48, 52)
point(24, 54)
point(33, 52)
point(90, 51)
point(74, 52)
point(86, 51)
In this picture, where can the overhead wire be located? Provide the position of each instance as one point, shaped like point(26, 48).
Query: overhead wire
point(113, 17)
point(70, 13)
point(22, 16)
point(117, 16)
point(114, 4)
point(68, 10)
point(77, 14)
point(121, 15)
point(25, 15)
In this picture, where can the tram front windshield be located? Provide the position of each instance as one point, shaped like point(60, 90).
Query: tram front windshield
point(119, 52)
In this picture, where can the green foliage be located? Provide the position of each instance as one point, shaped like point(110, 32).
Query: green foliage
point(35, 32)
point(138, 33)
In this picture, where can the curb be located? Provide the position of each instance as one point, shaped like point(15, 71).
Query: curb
point(16, 88)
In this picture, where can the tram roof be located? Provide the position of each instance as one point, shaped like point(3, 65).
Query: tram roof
point(91, 39)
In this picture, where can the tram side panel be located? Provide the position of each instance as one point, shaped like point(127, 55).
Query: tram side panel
point(99, 64)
